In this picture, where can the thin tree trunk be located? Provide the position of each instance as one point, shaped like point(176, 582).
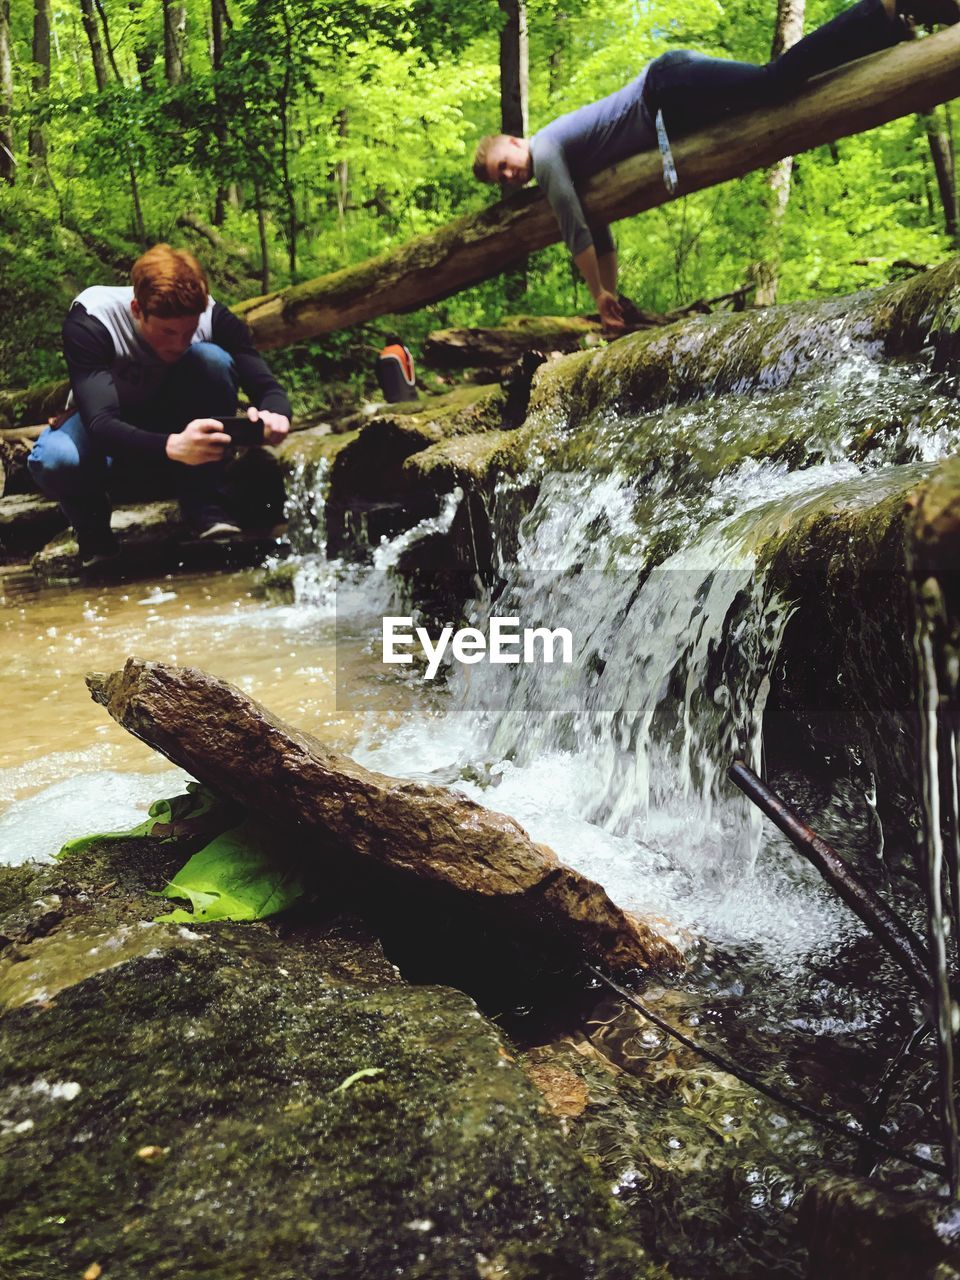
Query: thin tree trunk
point(42, 17)
point(264, 247)
point(342, 175)
point(89, 19)
point(284, 105)
point(8, 163)
point(766, 271)
point(941, 153)
point(140, 230)
point(144, 52)
point(896, 82)
point(514, 86)
point(219, 18)
point(557, 59)
point(174, 41)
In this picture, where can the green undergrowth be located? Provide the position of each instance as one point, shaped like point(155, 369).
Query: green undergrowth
point(242, 873)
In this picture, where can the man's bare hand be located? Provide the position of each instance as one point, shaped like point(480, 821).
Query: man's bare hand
point(611, 313)
point(202, 440)
point(275, 425)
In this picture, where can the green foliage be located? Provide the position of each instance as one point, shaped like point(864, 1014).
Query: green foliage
point(239, 875)
point(349, 127)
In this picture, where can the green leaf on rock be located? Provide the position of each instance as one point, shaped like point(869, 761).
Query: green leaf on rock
point(167, 819)
point(366, 1073)
point(240, 875)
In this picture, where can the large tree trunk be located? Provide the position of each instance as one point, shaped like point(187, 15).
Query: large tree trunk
point(941, 152)
point(42, 18)
point(174, 40)
point(912, 77)
point(766, 271)
point(8, 163)
point(514, 68)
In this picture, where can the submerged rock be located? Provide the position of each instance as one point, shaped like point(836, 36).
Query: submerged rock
point(857, 1229)
point(240, 1102)
point(410, 830)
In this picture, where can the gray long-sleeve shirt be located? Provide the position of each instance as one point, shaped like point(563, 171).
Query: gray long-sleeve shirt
point(573, 147)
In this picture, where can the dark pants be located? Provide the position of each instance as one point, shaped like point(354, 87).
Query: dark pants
point(69, 466)
point(693, 90)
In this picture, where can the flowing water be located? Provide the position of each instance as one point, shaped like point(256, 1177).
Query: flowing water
point(643, 536)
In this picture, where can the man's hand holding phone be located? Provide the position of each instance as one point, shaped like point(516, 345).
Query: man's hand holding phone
point(275, 425)
point(202, 440)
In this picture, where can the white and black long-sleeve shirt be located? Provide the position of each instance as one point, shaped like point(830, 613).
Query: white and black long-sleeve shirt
point(114, 372)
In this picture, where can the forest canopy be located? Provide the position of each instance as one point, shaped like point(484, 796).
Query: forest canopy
point(284, 140)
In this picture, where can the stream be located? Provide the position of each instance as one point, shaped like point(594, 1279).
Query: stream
point(644, 536)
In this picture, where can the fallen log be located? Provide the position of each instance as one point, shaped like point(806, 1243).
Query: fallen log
point(14, 477)
point(422, 833)
point(503, 344)
point(911, 77)
point(35, 404)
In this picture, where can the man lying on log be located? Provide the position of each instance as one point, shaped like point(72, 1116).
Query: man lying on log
point(152, 367)
point(678, 93)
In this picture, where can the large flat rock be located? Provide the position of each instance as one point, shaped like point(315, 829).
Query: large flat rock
point(237, 1102)
point(410, 830)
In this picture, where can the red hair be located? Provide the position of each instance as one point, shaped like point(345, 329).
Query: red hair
point(169, 282)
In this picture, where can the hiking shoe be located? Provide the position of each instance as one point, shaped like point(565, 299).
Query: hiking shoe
point(97, 549)
point(930, 13)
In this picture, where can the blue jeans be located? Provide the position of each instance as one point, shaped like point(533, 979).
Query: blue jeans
point(71, 467)
point(693, 90)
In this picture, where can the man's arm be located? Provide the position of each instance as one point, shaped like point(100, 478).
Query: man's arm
point(88, 350)
point(599, 270)
point(600, 274)
point(266, 394)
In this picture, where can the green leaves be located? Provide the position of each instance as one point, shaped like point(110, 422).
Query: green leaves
point(240, 875)
point(247, 872)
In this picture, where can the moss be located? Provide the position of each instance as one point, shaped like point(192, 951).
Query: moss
point(313, 446)
point(18, 885)
point(187, 1111)
point(231, 1057)
point(472, 461)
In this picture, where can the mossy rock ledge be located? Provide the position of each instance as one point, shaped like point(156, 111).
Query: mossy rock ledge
point(242, 1101)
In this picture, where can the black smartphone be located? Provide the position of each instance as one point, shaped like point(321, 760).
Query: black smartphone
point(242, 432)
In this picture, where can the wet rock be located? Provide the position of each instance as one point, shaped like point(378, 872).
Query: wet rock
point(369, 482)
point(242, 1102)
point(857, 1229)
point(152, 538)
point(406, 829)
point(848, 558)
point(27, 522)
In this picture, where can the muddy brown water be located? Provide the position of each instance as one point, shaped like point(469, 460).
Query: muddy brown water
point(292, 658)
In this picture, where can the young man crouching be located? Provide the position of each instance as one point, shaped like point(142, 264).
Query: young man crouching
point(152, 365)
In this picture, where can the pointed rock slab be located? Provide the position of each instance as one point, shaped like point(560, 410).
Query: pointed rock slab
point(428, 833)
